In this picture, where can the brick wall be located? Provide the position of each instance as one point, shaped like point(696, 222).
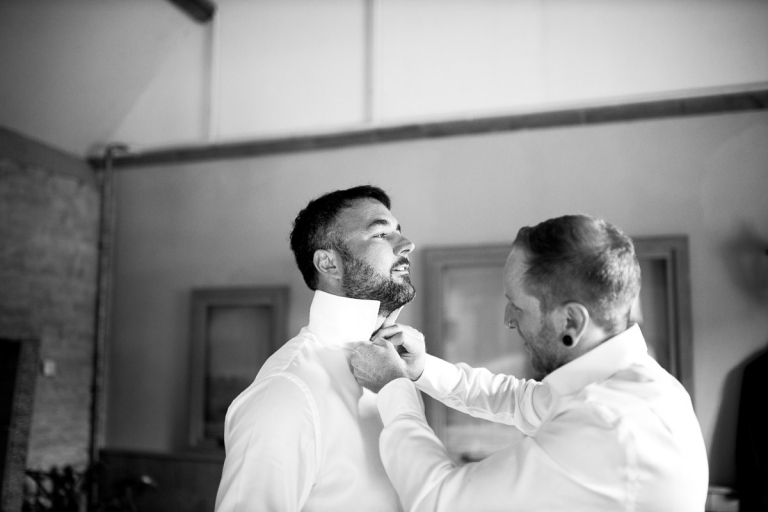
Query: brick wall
point(49, 212)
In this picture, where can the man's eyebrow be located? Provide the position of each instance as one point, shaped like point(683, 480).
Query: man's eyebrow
point(380, 222)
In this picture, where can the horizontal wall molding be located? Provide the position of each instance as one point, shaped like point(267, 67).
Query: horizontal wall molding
point(751, 99)
point(214, 457)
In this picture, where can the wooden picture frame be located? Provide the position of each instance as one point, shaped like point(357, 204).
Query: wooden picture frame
point(233, 332)
point(464, 284)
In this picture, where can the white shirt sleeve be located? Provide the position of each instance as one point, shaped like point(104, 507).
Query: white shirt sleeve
point(627, 441)
point(482, 394)
point(523, 477)
point(271, 445)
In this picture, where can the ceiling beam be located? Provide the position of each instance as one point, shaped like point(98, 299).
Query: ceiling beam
point(199, 10)
point(752, 99)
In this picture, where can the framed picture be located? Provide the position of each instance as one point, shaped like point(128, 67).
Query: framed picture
point(233, 332)
point(464, 323)
point(664, 306)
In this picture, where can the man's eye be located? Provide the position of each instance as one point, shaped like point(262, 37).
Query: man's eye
point(380, 235)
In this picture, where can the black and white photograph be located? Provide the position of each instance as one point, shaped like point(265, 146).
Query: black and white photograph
point(383, 255)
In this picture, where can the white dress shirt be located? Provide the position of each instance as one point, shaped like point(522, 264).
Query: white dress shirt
point(616, 433)
point(305, 434)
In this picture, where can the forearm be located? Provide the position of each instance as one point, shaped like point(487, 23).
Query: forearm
point(478, 392)
point(416, 475)
point(421, 471)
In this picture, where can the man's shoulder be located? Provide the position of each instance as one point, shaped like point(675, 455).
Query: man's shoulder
point(284, 357)
point(280, 378)
point(640, 398)
point(638, 390)
point(297, 372)
point(298, 360)
point(645, 382)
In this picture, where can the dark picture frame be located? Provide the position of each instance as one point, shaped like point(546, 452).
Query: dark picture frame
point(665, 263)
point(233, 331)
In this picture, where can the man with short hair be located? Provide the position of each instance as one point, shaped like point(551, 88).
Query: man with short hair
point(304, 435)
point(607, 428)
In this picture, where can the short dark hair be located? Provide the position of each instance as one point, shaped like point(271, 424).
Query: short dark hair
point(314, 227)
point(583, 259)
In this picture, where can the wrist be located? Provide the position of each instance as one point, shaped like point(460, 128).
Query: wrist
point(415, 371)
point(398, 373)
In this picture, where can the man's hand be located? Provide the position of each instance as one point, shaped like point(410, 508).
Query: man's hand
point(409, 344)
point(375, 364)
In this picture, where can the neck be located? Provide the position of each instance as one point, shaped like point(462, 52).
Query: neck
point(332, 287)
point(591, 338)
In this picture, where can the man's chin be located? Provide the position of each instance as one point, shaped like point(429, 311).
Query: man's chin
point(411, 292)
point(401, 278)
point(406, 295)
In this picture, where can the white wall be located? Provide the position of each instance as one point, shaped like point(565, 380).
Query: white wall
point(80, 74)
point(226, 223)
point(297, 66)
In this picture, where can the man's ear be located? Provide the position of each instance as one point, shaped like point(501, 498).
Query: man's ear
point(328, 264)
point(576, 321)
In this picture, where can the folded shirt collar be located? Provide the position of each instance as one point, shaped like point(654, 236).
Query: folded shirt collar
point(598, 364)
point(339, 320)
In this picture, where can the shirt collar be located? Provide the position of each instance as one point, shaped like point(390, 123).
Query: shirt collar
point(340, 320)
point(598, 364)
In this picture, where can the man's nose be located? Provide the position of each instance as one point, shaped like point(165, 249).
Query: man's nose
point(405, 246)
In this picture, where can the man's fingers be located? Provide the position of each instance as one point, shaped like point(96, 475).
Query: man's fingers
point(402, 335)
point(389, 331)
point(382, 346)
point(381, 342)
point(371, 349)
point(413, 343)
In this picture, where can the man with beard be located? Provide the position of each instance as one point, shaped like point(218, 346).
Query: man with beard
point(305, 434)
point(607, 428)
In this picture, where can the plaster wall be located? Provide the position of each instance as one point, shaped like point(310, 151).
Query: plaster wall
point(81, 74)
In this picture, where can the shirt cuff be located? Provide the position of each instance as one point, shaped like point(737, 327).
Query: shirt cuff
point(399, 397)
point(439, 376)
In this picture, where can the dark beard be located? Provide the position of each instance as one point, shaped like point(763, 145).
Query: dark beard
point(543, 359)
point(361, 281)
